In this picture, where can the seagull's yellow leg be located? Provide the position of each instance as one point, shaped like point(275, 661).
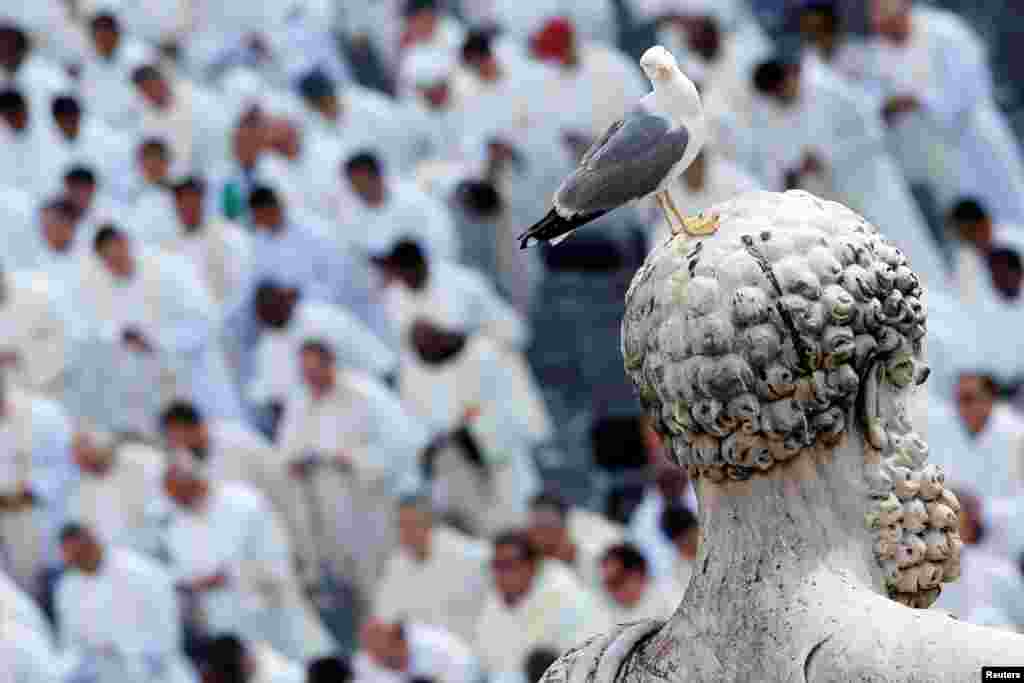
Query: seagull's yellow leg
point(663, 200)
point(672, 207)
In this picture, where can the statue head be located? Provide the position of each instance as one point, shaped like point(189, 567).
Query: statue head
point(791, 326)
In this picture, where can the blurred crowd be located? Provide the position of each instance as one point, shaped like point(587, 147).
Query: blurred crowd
point(282, 400)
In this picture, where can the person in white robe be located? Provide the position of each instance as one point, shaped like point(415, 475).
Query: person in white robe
point(711, 179)
point(629, 593)
point(159, 324)
point(226, 659)
point(52, 29)
point(426, 25)
point(990, 590)
point(118, 481)
point(191, 119)
point(930, 70)
point(19, 607)
point(573, 536)
point(351, 448)
point(34, 340)
point(387, 210)
point(143, 190)
point(406, 650)
point(477, 411)
point(671, 487)
point(229, 450)
point(435, 575)
point(84, 140)
point(532, 604)
point(163, 24)
point(679, 525)
point(994, 467)
point(813, 132)
point(977, 236)
point(828, 41)
point(287, 320)
point(23, 138)
point(119, 610)
point(434, 93)
point(595, 82)
point(218, 248)
point(93, 200)
point(450, 295)
point(105, 71)
point(36, 479)
point(231, 556)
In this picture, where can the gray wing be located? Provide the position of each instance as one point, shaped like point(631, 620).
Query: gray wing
point(627, 162)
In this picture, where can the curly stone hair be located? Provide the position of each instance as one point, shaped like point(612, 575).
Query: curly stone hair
point(760, 341)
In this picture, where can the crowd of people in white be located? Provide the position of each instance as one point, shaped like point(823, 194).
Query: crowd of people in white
point(264, 330)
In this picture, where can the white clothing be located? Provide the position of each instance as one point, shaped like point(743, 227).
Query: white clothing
point(994, 467)
point(645, 530)
point(434, 654)
point(556, 613)
point(220, 251)
point(407, 213)
point(18, 607)
point(97, 146)
point(592, 534)
point(31, 326)
point(990, 591)
point(30, 658)
point(237, 532)
point(441, 591)
point(26, 160)
point(106, 84)
point(332, 510)
point(277, 352)
point(194, 126)
point(125, 618)
point(659, 602)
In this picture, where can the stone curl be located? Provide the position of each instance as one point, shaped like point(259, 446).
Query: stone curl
point(751, 345)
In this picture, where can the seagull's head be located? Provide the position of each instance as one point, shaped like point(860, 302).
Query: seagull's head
point(659, 64)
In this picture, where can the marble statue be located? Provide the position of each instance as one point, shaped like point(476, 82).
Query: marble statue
point(776, 354)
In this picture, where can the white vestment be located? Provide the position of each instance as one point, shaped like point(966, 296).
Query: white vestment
point(659, 601)
point(556, 613)
point(115, 504)
point(125, 618)
point(29, 658)
point(592, 534)
point(27, 158)
point(645, 530)
point(434, 654)
point(97, 146)
point(31, 326)
point(332, 509)
point(277, 352)
point(35, 441)
point(106, 84)
point(194, 125)
point(495, 494)
point(237, 532)
point(219, 249)
point(441, 591)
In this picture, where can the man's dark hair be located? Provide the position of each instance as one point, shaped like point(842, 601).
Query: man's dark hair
point(71, 531)
point(224, 656)
point(316, 85)
point(106, 234)
point(146, 72)
point(520, 541)
point(105, 20)
point(364, 160)
point(538, 661)
point(677, 520)
point(968, 210)
point(329, 670)
point(320, 347)
point(477, 45)
point(11, 30)
point(1006, 256)
point(480, 197)
point(181, 412)
point(769, 76)
point(263, 197)
point(406, 254)
point(12, 101)
point(824, 8)
point(80, 174)
point(65, 105)
point(629, 555)
point(551, 499)
point(154, 146)
point(412, 7)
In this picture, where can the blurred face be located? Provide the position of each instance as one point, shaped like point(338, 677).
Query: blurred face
point(188, 204)
point(317, 371)
point(790, 89)
point(81, 194)
point(184, 489)
point(421, 25)
point(69, 125)
point(17, 119)
point(974, 402)
point(105, 38)
point(436, 96)
point(58, 230)
point(12, 52)
point(485, 67)
point(414, 527)
point(704, 37)
point(248, 143)
point(976, 233)
point(116, 255)
point(184, 436)
point(154, 166)
point(328, 106)
point(88, 457)
point(82, 552)
point(268, 217)
point(513, 573)
point(687, 544)
point(624, 587)
point(385, 645)
point(275, 308)
point(671, 482)
point(891, 19)
point(156, 91)
point(368, 185)
point(284, 138)
point(547, 530)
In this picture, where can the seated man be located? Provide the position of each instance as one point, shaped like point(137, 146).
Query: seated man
point(435, 576)
point(532, 604)
point(411, 651)
point(118, 611)
point(481, 459)
point(233, 564)
point(630, 592)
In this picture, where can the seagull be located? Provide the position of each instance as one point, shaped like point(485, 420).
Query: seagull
point(641, 154)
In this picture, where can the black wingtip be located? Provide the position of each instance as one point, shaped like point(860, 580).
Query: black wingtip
point(552, 229)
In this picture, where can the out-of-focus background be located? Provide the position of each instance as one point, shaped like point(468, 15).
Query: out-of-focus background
point(281, 399)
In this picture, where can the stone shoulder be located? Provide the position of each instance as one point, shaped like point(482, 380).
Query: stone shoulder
point(601, 658)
